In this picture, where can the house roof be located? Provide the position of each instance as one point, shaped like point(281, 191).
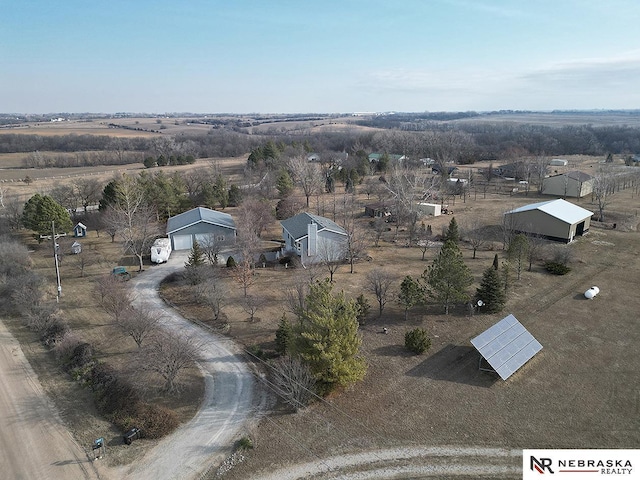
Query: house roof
point(81, 225)
point(575, 175)
point(297, 225)
point(375, 157)
point(197, 215)
point(561, 209)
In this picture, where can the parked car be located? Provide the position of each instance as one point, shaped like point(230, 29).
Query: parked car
point(121, 273)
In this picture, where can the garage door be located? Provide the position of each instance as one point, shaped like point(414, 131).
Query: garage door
point(182, 242)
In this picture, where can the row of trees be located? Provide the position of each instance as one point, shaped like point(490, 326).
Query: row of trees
point(159, 352)
point(23, 294)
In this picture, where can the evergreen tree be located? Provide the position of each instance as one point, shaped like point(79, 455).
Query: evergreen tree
point(448, 278)
point(40, 211)
point(411, 294)
point(194, 271)
point(197, 256)
point(491, 291)
point(327, 338)
point(234, 196)
point(284, 335)
point(452, 233)
point(109, 195)
point(496, 265)
point(284, 183)
point(220, 192)
point(364, 307)
point(417, 341)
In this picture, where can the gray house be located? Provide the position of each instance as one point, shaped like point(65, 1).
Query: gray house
point(571, 184)
point(202, 225)
point(313, 238)
point(557, 220)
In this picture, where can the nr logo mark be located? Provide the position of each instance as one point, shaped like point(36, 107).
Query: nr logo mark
point(541, 465)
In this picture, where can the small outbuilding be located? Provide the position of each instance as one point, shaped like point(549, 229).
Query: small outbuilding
point(433, 209)
point(377, 210)
point(76, 248)
point(556, 220)
point(558, 162)
point(80, 230)
point(573, 184)
point(202, 225)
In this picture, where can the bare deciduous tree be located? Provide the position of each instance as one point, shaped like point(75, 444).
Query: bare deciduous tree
point(250, 305)
point(140, 322)
point(293, 381)
point(168, 355)
point(379, 227)
point(13, 213)
point(211, 249)
point(475, 234)
point(509, 228)
point(355, 244)
point(213, 294)
point(379, 282)
point(255, 214)
point(331, 256)
point(536, 245)
point(115, 298)
point(88, 191)
point(84, 259)
point(602, 187)
point(307, 175)
point(134, 220)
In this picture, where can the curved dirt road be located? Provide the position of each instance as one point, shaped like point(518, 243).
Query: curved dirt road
point(33, 440)
point(409, 462)
point(228, 398)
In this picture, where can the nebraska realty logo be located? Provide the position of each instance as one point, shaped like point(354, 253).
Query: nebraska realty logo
point(580, 464)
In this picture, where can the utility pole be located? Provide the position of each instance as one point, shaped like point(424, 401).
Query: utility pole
point(54, 237)
point(55, 256)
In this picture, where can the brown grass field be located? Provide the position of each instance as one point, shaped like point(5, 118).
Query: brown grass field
point(581, 391)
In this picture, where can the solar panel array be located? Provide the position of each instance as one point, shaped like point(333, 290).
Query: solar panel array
point(507, 346)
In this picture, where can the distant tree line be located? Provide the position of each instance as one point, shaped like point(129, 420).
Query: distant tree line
point(463, 143)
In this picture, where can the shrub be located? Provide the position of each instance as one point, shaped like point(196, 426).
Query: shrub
point(244, 443)
point(263, 259)
point(284, 335)
point(256, 351)
point(557, 268)
point(155, 421)
point(417, 341)
point(285, 260)
point(81, 355)
point(65, 346)
point(54, 332)
point(231, 262)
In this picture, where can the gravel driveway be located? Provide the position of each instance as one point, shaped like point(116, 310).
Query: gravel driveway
point(228, 398)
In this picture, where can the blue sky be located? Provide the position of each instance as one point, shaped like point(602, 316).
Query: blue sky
point(281, 56)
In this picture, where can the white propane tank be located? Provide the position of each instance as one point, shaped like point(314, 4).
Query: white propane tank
point(592, 292)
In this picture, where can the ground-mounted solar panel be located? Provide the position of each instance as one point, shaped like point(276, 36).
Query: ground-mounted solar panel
point(506, 346)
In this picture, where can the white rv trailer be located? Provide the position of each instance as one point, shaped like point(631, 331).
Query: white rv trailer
point(160, 250)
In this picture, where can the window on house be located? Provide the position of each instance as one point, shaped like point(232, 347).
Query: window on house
point(219, 238)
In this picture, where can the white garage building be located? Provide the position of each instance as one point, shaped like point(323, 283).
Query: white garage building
point(202, 225)
point(557, 220)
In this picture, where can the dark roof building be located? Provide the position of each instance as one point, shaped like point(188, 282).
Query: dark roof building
point(200, 224)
